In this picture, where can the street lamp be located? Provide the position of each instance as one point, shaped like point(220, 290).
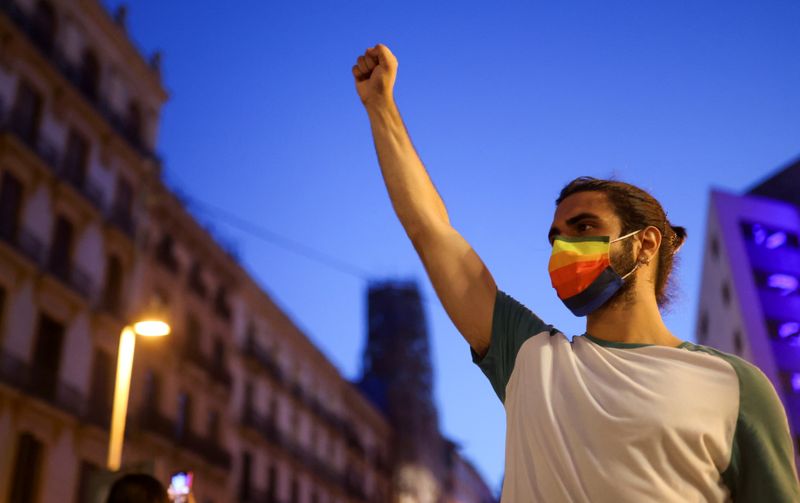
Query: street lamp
point(148, 327)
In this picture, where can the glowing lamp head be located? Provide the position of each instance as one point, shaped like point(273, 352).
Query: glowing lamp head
point(151, 328)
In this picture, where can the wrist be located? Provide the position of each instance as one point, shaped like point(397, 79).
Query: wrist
point(379, 105)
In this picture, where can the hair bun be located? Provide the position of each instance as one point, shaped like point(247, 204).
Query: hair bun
point(678, 238)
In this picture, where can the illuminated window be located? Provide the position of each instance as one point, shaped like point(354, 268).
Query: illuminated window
point(780, 282)
point(769, 237)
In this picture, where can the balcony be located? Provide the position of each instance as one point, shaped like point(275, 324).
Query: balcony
point(221, 305)
point(206, 448)
point(25, 243)
point(75, 177)
point(262, 424)
point(72, 276)
point(123, 220)
point(221, 374)
point(215, 370)
point(52, 158)
point(98, 413)
point(40, 145)
point(153, 421)
point(165, 255)
point(353, 484)
point(72, 74)
point(261, 356)
point(42, 384)
point(197, 285)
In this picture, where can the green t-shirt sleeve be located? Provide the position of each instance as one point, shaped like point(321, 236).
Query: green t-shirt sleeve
point(762, 466)
point(512, 325)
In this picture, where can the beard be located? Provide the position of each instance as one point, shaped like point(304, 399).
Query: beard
point(623, 263)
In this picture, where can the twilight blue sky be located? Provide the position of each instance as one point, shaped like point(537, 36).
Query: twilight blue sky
point(505, 102)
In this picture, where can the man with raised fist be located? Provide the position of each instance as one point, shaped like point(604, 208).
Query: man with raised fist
point(625, 412)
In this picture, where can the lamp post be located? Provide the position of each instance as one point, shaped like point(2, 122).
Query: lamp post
point(127, 342)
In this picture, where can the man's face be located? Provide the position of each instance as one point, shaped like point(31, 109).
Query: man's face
point(590, 213)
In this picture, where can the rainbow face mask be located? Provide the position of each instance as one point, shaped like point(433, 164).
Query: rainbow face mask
point(581, 272)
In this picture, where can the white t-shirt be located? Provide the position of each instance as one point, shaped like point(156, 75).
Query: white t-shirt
point(597, 421)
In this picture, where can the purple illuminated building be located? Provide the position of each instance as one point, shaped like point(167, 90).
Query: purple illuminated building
point(750, 294)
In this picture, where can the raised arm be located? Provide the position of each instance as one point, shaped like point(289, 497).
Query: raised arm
point(461, 280)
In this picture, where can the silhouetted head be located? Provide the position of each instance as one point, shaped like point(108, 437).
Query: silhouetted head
point(137, 488)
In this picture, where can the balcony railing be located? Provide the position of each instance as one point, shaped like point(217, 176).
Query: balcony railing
point(218, 371)
point(262, 424)
point(253, 350)
point(72, 276)
point(51, 156)
point(83, 185)
point(122, 218)
point(72, 74)
point(41, 383)
point(165, 255)
point(25, 243)
point(152, 420)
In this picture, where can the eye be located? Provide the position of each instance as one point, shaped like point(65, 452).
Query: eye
point(583, 227)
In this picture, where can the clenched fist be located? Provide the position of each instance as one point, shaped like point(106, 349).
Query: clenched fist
point(375, 73)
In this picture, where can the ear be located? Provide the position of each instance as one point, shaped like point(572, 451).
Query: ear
point(650, 244)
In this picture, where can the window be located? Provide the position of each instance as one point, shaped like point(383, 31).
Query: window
point(152, 390)
point(88, 472)
point(702, 330)
point(183, 424)
point(779, 282)
point(769, 237)
point(714, 245)
point(726, 293)
point(219, 353)
point(112, 294)
point(61, 248)
point(10, 205)
point(26, 469)
point(248, 397)
point(47, 356)
point(221, 306)
point(196, 283)
point(213, 426)
point(2, 309)
point(165, 253)
point(247, 466)
point(123, 200)
point(272, 484)
point(102, 388)
point(295, 492)
point(76, 158)
point(90, 75)
point(44, 26)
point(133, 123)
point(27, 113)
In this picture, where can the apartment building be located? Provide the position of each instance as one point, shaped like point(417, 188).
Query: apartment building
point(89, 238)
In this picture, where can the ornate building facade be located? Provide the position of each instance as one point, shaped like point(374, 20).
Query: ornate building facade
point(89, 237)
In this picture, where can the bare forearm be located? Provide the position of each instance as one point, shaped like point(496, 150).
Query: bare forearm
point(414, 197)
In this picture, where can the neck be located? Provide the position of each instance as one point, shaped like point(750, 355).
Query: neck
point(636, 321)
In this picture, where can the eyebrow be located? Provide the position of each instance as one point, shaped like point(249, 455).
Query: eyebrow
point(570, 222)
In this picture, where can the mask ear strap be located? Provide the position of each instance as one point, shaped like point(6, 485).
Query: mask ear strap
point(626, 236)
point(632, 270)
